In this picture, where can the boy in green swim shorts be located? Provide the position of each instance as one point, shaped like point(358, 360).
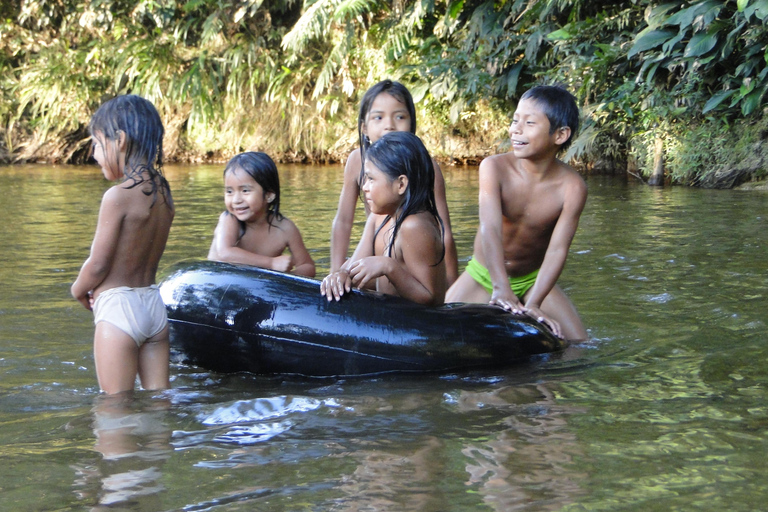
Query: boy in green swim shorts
point(530, 204)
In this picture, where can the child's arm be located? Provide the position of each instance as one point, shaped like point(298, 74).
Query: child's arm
point(304, 264)
point(345, 213)
point(338, 282)
point(451, 256)
point(416, 278)
point(490, 233)
point(557, 251)
point(224, 248)
point(96, 268)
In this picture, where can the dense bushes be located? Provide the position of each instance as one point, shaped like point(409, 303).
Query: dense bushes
point(285, 76)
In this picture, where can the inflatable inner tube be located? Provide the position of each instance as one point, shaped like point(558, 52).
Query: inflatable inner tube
point(233, 318)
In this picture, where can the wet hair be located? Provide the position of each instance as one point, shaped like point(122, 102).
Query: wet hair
point(403, 153)
point(263, 170)
point(138, 119)
point(560, 107)
point(397, 91)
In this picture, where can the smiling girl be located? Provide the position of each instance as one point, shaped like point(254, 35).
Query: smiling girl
point(252, 230)
point(402, 248)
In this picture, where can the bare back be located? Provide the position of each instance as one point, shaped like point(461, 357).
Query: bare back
point(131, 234)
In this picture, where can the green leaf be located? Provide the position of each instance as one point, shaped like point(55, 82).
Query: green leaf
point(741, 4)
point(647, 40)
point(759, 8)
point(751, 102)
point(700, 44)
point(715, 100)
point(559, 35)
point(512, 77)
point(658, 16)
point(651, 72)
point(669, 45)
point(455, 8)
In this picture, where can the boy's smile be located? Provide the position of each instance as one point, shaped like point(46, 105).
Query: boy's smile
point(529, 131)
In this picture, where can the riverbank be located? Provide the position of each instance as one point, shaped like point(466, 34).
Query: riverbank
point(705, 157)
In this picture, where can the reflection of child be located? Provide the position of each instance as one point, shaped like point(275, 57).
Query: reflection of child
point(252, 230)
point(402, 245)
point(117, 280)
point(530, 204)
point(386, 107)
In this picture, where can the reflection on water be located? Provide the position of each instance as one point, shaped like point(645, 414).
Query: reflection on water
point(664, 408)
point(134, 443)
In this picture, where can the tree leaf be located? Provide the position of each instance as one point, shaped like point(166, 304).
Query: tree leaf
point(751, 102)
point(455, 8)
point(700, 44)
point(648, 40)
point(418, 91)
point(715, 100)
point(559, 35)
point(759, 8)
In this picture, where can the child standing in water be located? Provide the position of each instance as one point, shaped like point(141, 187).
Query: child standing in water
point(386, 107)
point(530, 204)
point(117, 281)
point(252, 230)
point(402, 245)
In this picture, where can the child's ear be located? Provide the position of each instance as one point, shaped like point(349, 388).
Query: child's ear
point(402, 184)
point(562, 134)
point(121, 140)
point(270, 197)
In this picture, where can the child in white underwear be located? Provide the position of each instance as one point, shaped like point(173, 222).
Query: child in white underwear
point(117, 281)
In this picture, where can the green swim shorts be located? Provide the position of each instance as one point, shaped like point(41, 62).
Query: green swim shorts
point(520, 285)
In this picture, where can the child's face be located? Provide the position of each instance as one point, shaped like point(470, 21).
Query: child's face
point(382, 194)
point(387, 114)
point(529, 131)
point(244, 197)
point(107, 153)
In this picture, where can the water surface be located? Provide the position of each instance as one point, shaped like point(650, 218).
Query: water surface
point(663, 409)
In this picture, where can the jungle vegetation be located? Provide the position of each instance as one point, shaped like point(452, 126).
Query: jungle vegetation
point(685, 81)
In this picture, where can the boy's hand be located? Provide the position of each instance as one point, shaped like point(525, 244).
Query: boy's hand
point(282, 263)
point(335, 284)
point(538, 315)
point(367, 269)
point(507, 300)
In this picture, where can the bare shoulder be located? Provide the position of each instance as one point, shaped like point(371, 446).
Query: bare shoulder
point(226, 219)
point(418, 225)
point(353, 165)
point(496, 164)
point(572, 180)
point(285, 225)
point(119, 198)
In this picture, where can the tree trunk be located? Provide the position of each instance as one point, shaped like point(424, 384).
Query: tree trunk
point(657, 178)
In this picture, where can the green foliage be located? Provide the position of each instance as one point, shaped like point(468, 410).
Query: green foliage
point(286, 76)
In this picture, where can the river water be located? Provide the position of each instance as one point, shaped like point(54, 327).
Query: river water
point(664, 408)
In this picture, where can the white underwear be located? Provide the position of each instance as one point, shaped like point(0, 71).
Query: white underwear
point(138, 312)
